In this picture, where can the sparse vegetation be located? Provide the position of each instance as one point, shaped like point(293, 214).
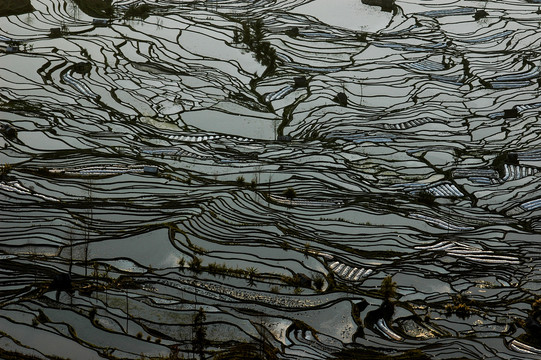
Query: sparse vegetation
point(250, 273)
point(297, 280)
point(252, 36)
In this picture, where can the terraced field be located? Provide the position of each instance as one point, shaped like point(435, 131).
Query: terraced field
point(271, 179)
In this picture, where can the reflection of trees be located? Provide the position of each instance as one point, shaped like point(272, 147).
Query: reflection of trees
point(199, 339)
point(15, 7)
point(95, 8)
point(87, 227)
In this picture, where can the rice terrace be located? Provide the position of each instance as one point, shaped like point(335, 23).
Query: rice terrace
point(270, 179)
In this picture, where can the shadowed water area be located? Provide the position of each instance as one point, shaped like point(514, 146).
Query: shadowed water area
point(241, 179)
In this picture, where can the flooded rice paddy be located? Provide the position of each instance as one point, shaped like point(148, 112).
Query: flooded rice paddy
point(240, 179)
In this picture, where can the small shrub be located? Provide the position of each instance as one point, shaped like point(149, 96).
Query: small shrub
point(462, 310)
point(388, 288)
point(251, 272)
point(290, 193)
point(306, 250)
point(212, 268)
point(318, 282)
point(195, 264)
point(240, 181)
point(460, 307)
point(5, 169)
point(426, 197)
point(449, 309)
point(139, 335)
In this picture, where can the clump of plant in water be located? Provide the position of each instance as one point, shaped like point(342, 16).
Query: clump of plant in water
point(251, 274)
point(195, 265)
point(318, 282)
point(297, 281)
point(240, 180)
point(289, 193)
point(4, 171)
point(285, 245)
point(460, 306)
point(181, 263)
point(307, 249)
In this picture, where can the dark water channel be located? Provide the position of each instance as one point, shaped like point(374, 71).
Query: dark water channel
point(238, 178)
